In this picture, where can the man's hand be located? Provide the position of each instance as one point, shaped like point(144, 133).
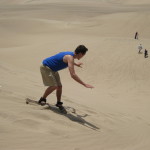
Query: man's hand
point(88, 86)
point(79, 64)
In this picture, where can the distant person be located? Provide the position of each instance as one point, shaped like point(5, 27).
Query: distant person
point(140, 48)
point(50, 67)
point(145, 53)
point(136, 35)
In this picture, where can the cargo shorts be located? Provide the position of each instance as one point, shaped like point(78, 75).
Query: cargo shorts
point(50, 78)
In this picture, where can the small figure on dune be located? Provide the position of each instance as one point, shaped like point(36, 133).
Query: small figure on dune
point(145, 53)
point(140, 48)
point(136, 36)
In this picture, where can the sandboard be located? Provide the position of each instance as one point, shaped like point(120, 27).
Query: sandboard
point(31, 101)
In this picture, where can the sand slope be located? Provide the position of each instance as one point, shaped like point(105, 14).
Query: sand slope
point(112, 116)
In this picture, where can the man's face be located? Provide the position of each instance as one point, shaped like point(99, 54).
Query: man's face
point(80, 55)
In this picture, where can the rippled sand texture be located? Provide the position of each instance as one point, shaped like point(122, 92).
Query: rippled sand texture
point(115, 115)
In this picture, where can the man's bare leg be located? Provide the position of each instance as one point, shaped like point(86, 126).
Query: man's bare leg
point(48, 91)
point(59, 93)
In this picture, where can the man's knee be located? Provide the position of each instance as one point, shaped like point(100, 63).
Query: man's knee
point(59, 87)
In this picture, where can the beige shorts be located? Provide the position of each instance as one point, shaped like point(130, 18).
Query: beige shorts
point(50, 78)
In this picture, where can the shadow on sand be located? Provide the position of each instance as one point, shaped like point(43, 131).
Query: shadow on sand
point(73, 116)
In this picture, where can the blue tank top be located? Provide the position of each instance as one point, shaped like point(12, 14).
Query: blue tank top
point(56, 62)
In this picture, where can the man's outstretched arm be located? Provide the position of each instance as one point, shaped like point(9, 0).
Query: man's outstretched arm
point(70, 61)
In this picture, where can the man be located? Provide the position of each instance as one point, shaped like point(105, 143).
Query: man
point(145, 53)
point(140, 48)
point(136, 35)
point(50, 67)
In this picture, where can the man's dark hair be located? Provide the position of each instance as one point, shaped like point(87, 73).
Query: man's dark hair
point(81, 49)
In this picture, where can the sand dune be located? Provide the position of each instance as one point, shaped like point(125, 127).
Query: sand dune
point(112, 116)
